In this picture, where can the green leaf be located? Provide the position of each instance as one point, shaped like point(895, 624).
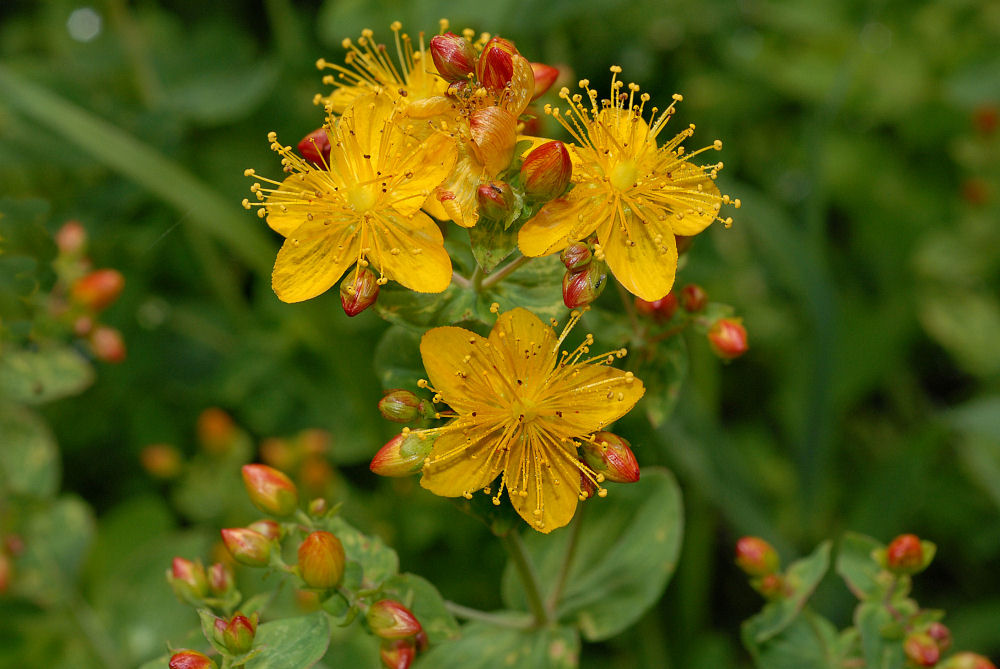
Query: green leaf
point(36, 377)
point(485, 646)
point(536, 286)
point(626, 553)
point(397, 359)
point(291, 643)
point(809, 642)
point(425, 602)
point(872, 619)
point(421, 311)
point(56, 539)
point(378, 561)
point(29, 457)
point(26, 253)
point(802, 577)
point(492, 243)
point(857, 567)
point(663, 377)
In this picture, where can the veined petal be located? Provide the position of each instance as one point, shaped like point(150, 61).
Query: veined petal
point(427, 164)
point(589, 398)
point(697, 208)
point(363, 125)
point(300, 193)
point(462, 462)
point(560, 222)
point(620, 134)
point(543, 470)
point(313, 258)
point(455, 199)
point(525, 345)
point(644, 262)
point(411, 251)
point(444, 350)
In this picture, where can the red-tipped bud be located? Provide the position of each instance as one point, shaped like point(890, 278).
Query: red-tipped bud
point(546, 171)
point(770, 586)
point(191, 659)
point(161, 460)
point(921, 650)
point(728, 338)
point(612, 456)
point(216, 430)
point(107, 344)
point(941, 635)
point(531, 121)
point(315, 147)
point(188, 581)
point(684, 244)
point(496, 200)
point(905, 555)
point(400, 406)
point(494, 135)
point(247, 546)
point(967, 660)
point(358, 291)
point(545, 76)
point(98, 290)
point(402, 455)
point(756, 557)
point(576, 256)
point(72, 238)
point(389, 619)
point(321, 560)
point(398, 653)
point(693, 298)
point(454, 57)
point(986, 118)
point(238, 633)
point(318, 507)
point(220, 579)
point(270, 491)
point(267, 527)
point(660, 310)
point(495, 66)
point(582, 287)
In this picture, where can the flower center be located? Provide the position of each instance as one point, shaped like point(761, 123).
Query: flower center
point(361, 198)
point(524, 409)
point(623, 175)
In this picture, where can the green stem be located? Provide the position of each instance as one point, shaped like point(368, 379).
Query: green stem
point(529, 577)
point(567, 561)
point(95, 633)
point(498, 619)
point(476, 280)
point(502, 273)
point(460, 281)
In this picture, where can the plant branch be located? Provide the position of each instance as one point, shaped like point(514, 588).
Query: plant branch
point(502, 273)
point(529, 577)
point(567, 561)
point(510, 620)
point(460, 281)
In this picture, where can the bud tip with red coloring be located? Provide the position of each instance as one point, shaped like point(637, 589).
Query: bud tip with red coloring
point(545, 76)
point(191, 659)
point(358, 291)
point(321, 560)
point(756, 557)
point(247, 546)
point(693, 298)
point(546, 172)
point(496, 200)
point(402, 455)
point(728, 338)
point(270, 490)
point(454, 57)
point(315, 147)
point(612, 456)
point(389, 619)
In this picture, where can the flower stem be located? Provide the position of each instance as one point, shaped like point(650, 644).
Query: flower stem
point(529, 577)
point(460, 281)
point(498, 619)
point(567, 561)
point(502, 273)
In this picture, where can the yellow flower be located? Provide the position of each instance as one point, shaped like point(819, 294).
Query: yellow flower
point(519, 410)
point(364, 207)
point(632, 192)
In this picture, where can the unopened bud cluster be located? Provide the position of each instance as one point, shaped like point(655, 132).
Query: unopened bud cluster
point(585, 276)
point(401, 633)
point(758, 560)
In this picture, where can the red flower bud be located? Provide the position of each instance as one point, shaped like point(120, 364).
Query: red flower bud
point(247, 546)
point(389, 619)
point(398, 653)
point(315, 147)
point(161, 460)
point(238, 633)
point(495, 66)
point(454, 57)
point(693, 298)
point(545, 76)
point(771, 586)
point(107, 344)
point(187, 579)
point(576, 256)
point(220, 579)
point(216, 430)
point(496, 200)
point(905, 554)
point(321, 560)
point(190, 659)
point(358, 291)
point(546, 171)
point(402, 455)
point(98, 290)
point(494, 135)
point(318, 507)
point(921, 650)
point(268, 528)
point(756, 557)
point(582, 287)
point(967, 660)
point(270, 491)
point(660, 310)
point(72, 238)
point(612, 456)
point(400, 406)
point(728, 338)
point(941, 635)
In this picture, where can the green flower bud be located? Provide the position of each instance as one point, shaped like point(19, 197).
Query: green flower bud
point(321, 560)
point(270, 490)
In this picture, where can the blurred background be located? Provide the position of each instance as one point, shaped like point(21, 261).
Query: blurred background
point(862, 138)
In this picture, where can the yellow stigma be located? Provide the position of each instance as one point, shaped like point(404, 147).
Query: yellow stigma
point(623, 175)
point(524, 409)
point(361, 198)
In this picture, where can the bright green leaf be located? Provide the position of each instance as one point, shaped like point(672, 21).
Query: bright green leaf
point(872, 619)
point(56, 539)
point(488, 647)
point(857, 567)
point(291, 643)
point(378, 561)
point(809, 642)
point(36, 377)
point(491, 243)
point(29, 457)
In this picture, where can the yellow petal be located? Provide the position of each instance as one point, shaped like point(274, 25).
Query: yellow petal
point(411, 251)
point(300, 194)
point(587, 398)
point(524, 348)
point(444, 350)
point(643, 264)
point(697, 208)
point(313, 258)
point(461, 463)
point(619, 134)
point(543, 470)
point(418, 167)
point(456, 198)
point(362, 126)
point(560, 223)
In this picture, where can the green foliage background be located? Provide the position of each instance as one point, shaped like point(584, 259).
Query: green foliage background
point(862, 261)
